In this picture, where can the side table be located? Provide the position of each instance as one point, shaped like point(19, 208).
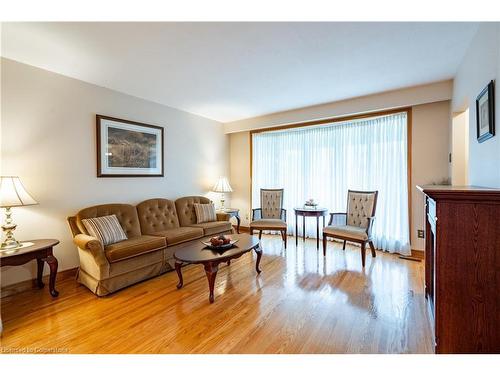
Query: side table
point(41, 250)
point(233, 212)
point(314, 212)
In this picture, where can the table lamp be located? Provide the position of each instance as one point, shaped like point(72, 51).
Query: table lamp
point(222, 186)
point(12, 194)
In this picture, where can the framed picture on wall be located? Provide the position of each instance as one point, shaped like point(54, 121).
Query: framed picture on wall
point(485, 113)
point(128, 148)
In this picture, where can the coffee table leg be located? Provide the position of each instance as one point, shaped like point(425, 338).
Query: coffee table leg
point(258, 251)
point(211, 271)
point(39, 274)
point(52, 262)
point(179, 273)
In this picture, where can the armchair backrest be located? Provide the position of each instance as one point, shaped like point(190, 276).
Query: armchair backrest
point(271, 203)
point(360, 206)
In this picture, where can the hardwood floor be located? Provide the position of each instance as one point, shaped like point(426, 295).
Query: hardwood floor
point(300, 303)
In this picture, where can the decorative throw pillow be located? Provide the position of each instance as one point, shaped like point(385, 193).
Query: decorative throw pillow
point(106, 229)
point(204, 212)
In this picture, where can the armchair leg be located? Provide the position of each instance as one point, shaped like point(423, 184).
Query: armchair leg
point(363, 253)
point(260, 234)
point(343, 246)
point(283, 235)
point(372, 248)
point(324, 245)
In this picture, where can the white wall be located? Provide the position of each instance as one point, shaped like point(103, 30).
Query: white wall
point(48, 139)
point(239, 151)
point(406, 97)
point(429, 154)
point(430, 147)
point(480, 65)
point(460, 149)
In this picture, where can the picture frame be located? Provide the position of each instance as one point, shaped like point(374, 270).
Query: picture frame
point(485, 113)
point(128, 148)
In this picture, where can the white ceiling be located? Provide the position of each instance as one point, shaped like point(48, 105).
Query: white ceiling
point(232, 71)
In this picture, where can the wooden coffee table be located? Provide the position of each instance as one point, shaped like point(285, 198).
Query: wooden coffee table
point(195, 252)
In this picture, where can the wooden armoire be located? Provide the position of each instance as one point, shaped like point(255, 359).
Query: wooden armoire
point(462, 267)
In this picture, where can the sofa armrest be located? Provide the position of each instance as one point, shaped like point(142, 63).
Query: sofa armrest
point(86, 242)
point(93, 246)
point(222, 216)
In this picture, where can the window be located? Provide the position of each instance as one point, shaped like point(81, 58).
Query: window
point(324, 161)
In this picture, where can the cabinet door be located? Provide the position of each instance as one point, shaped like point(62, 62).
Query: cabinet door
point(467, 277)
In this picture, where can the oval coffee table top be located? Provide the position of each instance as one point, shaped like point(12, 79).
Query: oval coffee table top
point(196, 252)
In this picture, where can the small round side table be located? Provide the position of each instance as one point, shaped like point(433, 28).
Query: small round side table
point(308, 212)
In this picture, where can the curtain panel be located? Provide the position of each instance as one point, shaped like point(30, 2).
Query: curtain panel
point(323, 162)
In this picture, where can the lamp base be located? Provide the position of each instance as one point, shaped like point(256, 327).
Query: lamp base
point(10, 244)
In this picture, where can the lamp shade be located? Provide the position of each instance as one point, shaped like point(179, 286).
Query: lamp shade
point(222, 186)
point(13, 193)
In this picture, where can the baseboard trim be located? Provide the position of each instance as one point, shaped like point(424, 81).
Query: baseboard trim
point(25, 285)
point(420, 254)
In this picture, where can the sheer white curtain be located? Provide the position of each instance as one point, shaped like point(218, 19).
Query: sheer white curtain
point(323, 162)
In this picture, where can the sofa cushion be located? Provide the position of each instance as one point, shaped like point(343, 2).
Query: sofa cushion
point(125, 213)
point(185, 209)
point(348, 231)
point(157, 215)
point(205, 213)
point(133, 247)
point(106, 229)
point(214, 227)
point(178, 235)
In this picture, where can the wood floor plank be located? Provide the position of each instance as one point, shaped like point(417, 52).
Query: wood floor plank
point(300, 303)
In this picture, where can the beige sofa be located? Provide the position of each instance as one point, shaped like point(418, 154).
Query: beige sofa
point(153, 228)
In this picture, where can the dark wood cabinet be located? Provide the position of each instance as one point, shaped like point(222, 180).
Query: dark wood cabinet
point(462, 267)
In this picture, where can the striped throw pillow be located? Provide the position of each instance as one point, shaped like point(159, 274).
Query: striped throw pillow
point(204, 212)
point(106, 229)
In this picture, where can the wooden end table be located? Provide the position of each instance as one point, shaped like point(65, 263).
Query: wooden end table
point(195, 252)
point(308, 212)
point(41, 250)
point(233, 212)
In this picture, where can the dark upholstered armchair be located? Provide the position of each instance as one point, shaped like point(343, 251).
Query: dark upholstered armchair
point(271, 215)
point(355, 225)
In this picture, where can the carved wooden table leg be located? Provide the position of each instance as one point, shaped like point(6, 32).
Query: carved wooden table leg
point(179, 273)
point(39, 273)
point(52, 262)
point(238, 220)
point(211, 271)
point(258, 251)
